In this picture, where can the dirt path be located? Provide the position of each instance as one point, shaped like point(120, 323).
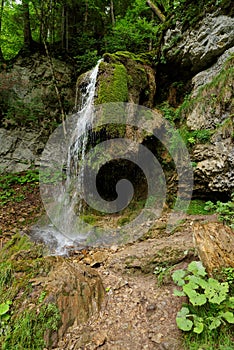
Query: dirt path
point(137, 312)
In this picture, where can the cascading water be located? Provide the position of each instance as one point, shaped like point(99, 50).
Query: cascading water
point(70, 189)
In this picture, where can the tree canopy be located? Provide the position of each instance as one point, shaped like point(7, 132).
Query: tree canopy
point(85, 29)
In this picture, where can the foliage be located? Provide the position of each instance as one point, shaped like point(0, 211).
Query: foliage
point(210, 303)
point(163, 274)
point(225, 210)
point(195, 136)
point(28, 329)
point(197, 207)
point(4, 316)
point(9, 190)
point(23, 327)
point(134, 32)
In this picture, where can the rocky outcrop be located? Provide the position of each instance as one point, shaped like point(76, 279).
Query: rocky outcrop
point(27, 91)
point(215, 245)
point(77, 291)
point(197, 48)
point(210, 109)
point(20, 148)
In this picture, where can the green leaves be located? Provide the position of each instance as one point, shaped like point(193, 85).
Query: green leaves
point(197, 268)
point(4, 308)
point(209, 302)
point(224, 210)
point(182, 321)
point(178, 277)
point(215, 291)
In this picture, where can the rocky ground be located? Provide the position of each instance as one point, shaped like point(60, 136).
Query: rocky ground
point(139, 308)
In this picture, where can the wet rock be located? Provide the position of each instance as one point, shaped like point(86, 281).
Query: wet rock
point(215, 245)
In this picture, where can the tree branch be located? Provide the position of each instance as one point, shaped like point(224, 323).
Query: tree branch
point(156, 11)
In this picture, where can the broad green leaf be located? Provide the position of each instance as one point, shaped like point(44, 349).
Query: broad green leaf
point(194, 297)
point(198, 328)
point(198, 324)
point(183, 312)
point(228, 316)
point(230, 302)
point(215, 291)
point(183, 323)
point(178, 293)
point(215, 324)
point(178, 277)
point(4, 308)
point(199, 281)
point(197, 268)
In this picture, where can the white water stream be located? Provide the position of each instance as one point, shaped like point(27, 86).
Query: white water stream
point(64, 207)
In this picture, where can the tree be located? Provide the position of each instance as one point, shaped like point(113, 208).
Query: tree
point(27, 27)
point(1, 13)
point(156, 10)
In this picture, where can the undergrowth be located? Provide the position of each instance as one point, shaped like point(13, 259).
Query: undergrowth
point(13, 186)
point(24, 316)
point(208, 317)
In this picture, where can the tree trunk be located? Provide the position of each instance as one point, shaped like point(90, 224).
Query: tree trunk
point(156, 11)
point(27, 28)
point(215, 245)
point(112, 12)
point(67, 31)
point(63, 36)
point(1, 13)
point(86, 14)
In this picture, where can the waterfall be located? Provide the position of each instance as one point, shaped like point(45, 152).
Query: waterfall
point(65, 204)
point(76, 154)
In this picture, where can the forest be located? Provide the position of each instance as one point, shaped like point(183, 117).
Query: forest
point(85, 29)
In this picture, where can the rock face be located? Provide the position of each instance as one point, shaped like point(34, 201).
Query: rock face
point(210, 109)
point(27, 91)
point(215, 245)
point(29, 106)
point(198, 48)
point(20, 148)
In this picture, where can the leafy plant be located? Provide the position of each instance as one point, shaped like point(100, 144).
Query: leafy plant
point(4, 316)
point(163, 274)
point(225, 210)
point(210, 304)
point(197, 207)
point(9, 181)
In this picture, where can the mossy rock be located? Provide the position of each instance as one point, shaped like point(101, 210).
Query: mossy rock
point(46, 294)
point(112, 83)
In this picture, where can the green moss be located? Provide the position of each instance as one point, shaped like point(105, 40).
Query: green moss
point(216, 93)
point(20, 262)
point(113, 86)
point(123, 56)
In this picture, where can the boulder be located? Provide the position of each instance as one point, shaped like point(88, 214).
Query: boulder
point(125, 77)
point(215, 245)
point(77, 291)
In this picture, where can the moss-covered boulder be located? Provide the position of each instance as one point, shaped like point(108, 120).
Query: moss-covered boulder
point(125, 77)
